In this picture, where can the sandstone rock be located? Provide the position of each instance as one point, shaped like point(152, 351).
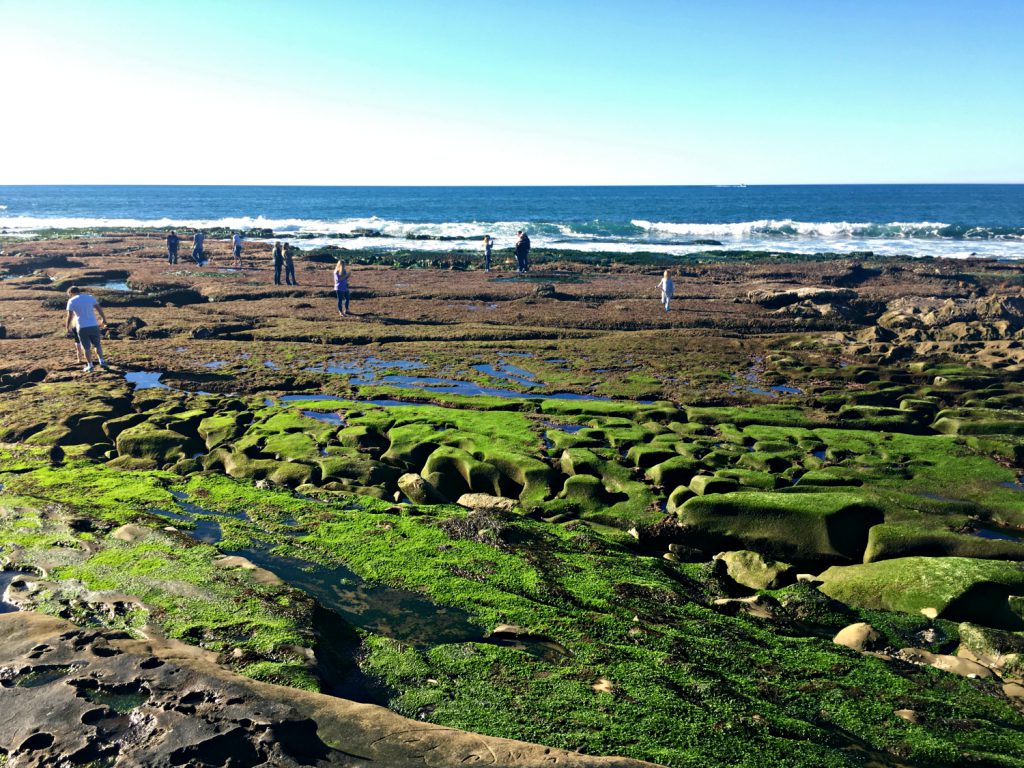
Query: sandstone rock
point(858, 637)
point(485, 502)
point(755, 571)
point(183, 709)
point(131, 532)
point(761, 606)
point(259, 575)
point(908, 714)
point(774, 299)
point(419, 490)
point(1013, 690)
point(944, 662)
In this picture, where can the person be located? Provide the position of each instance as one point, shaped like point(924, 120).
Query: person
point(197, 247)
point(523, 252)
point(236, 249)
point(667, 288)
point(278, 261)
point(488, 245)
point(81, 313)
point(172, 247)
point(289, 266)
point(341, 274)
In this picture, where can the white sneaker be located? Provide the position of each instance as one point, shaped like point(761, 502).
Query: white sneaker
point(87, 369)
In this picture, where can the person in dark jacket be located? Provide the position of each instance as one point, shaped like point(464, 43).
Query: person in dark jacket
point(172, 248)
point(278, 261)
point(197, 248)
point(523, 252)
point(289, 266)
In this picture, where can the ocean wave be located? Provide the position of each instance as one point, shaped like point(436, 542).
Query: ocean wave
point(831, 230)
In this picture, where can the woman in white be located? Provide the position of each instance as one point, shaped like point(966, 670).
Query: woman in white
point(667, 288)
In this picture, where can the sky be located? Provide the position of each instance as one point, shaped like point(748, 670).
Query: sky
point(527, 92)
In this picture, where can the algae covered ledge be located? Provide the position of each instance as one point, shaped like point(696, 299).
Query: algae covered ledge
point(782, 525)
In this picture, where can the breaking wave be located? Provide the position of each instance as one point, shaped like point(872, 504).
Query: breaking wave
point(918, 230)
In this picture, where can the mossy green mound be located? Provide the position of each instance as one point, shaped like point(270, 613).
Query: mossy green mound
point(954, 588)
point(798, 528)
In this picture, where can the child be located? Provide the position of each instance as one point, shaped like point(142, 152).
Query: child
point(667, 288)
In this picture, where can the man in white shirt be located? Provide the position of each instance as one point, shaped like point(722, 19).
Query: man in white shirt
point(236, 250)
point(81, 312)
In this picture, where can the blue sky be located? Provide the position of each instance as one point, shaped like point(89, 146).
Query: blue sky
point(526, 92)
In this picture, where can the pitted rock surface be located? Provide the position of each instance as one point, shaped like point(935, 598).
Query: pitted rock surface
point(72, 696)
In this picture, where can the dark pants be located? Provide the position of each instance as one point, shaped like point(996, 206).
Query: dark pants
point(197, 255)
point(172, 254)
point(289, 274)
point(487, 259)
point(277, 272)
point(342, 301)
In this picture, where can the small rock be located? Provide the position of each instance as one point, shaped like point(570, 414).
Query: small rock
point(484, 502)
point(908, 714)
point(858, 637)
point(603, 685)
point(931, 613)
point(1013, 690)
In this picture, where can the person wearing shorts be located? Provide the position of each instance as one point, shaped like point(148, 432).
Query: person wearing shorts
point(82, 309)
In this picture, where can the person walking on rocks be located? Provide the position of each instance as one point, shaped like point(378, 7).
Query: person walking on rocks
point(197, 247)
point(278, 261)
point(172, 247)
point(236, 250)
point(341, 274)
point(488, 245)
point(522, 252)
point(667, 288)
point(81, 313)
point(289, 266)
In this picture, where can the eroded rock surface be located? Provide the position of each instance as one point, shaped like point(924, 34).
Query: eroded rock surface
point(83, 696)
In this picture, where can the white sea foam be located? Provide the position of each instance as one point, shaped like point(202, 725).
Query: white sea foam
point(895, 238)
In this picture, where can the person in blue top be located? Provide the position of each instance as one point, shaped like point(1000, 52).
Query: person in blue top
point(172, 247)
point(341, 274)
point(197, 247)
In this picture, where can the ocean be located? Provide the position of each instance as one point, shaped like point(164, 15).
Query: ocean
point(947, 220)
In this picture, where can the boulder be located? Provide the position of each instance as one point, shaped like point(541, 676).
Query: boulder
point(858, 637)
point(160, 445)
point(954, 588)
point(702, 485)
point(755, 571)
point(793, 527)
point(997, 649)
point(418, 490)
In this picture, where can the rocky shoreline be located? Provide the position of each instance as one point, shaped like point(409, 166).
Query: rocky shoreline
point(783, 522)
